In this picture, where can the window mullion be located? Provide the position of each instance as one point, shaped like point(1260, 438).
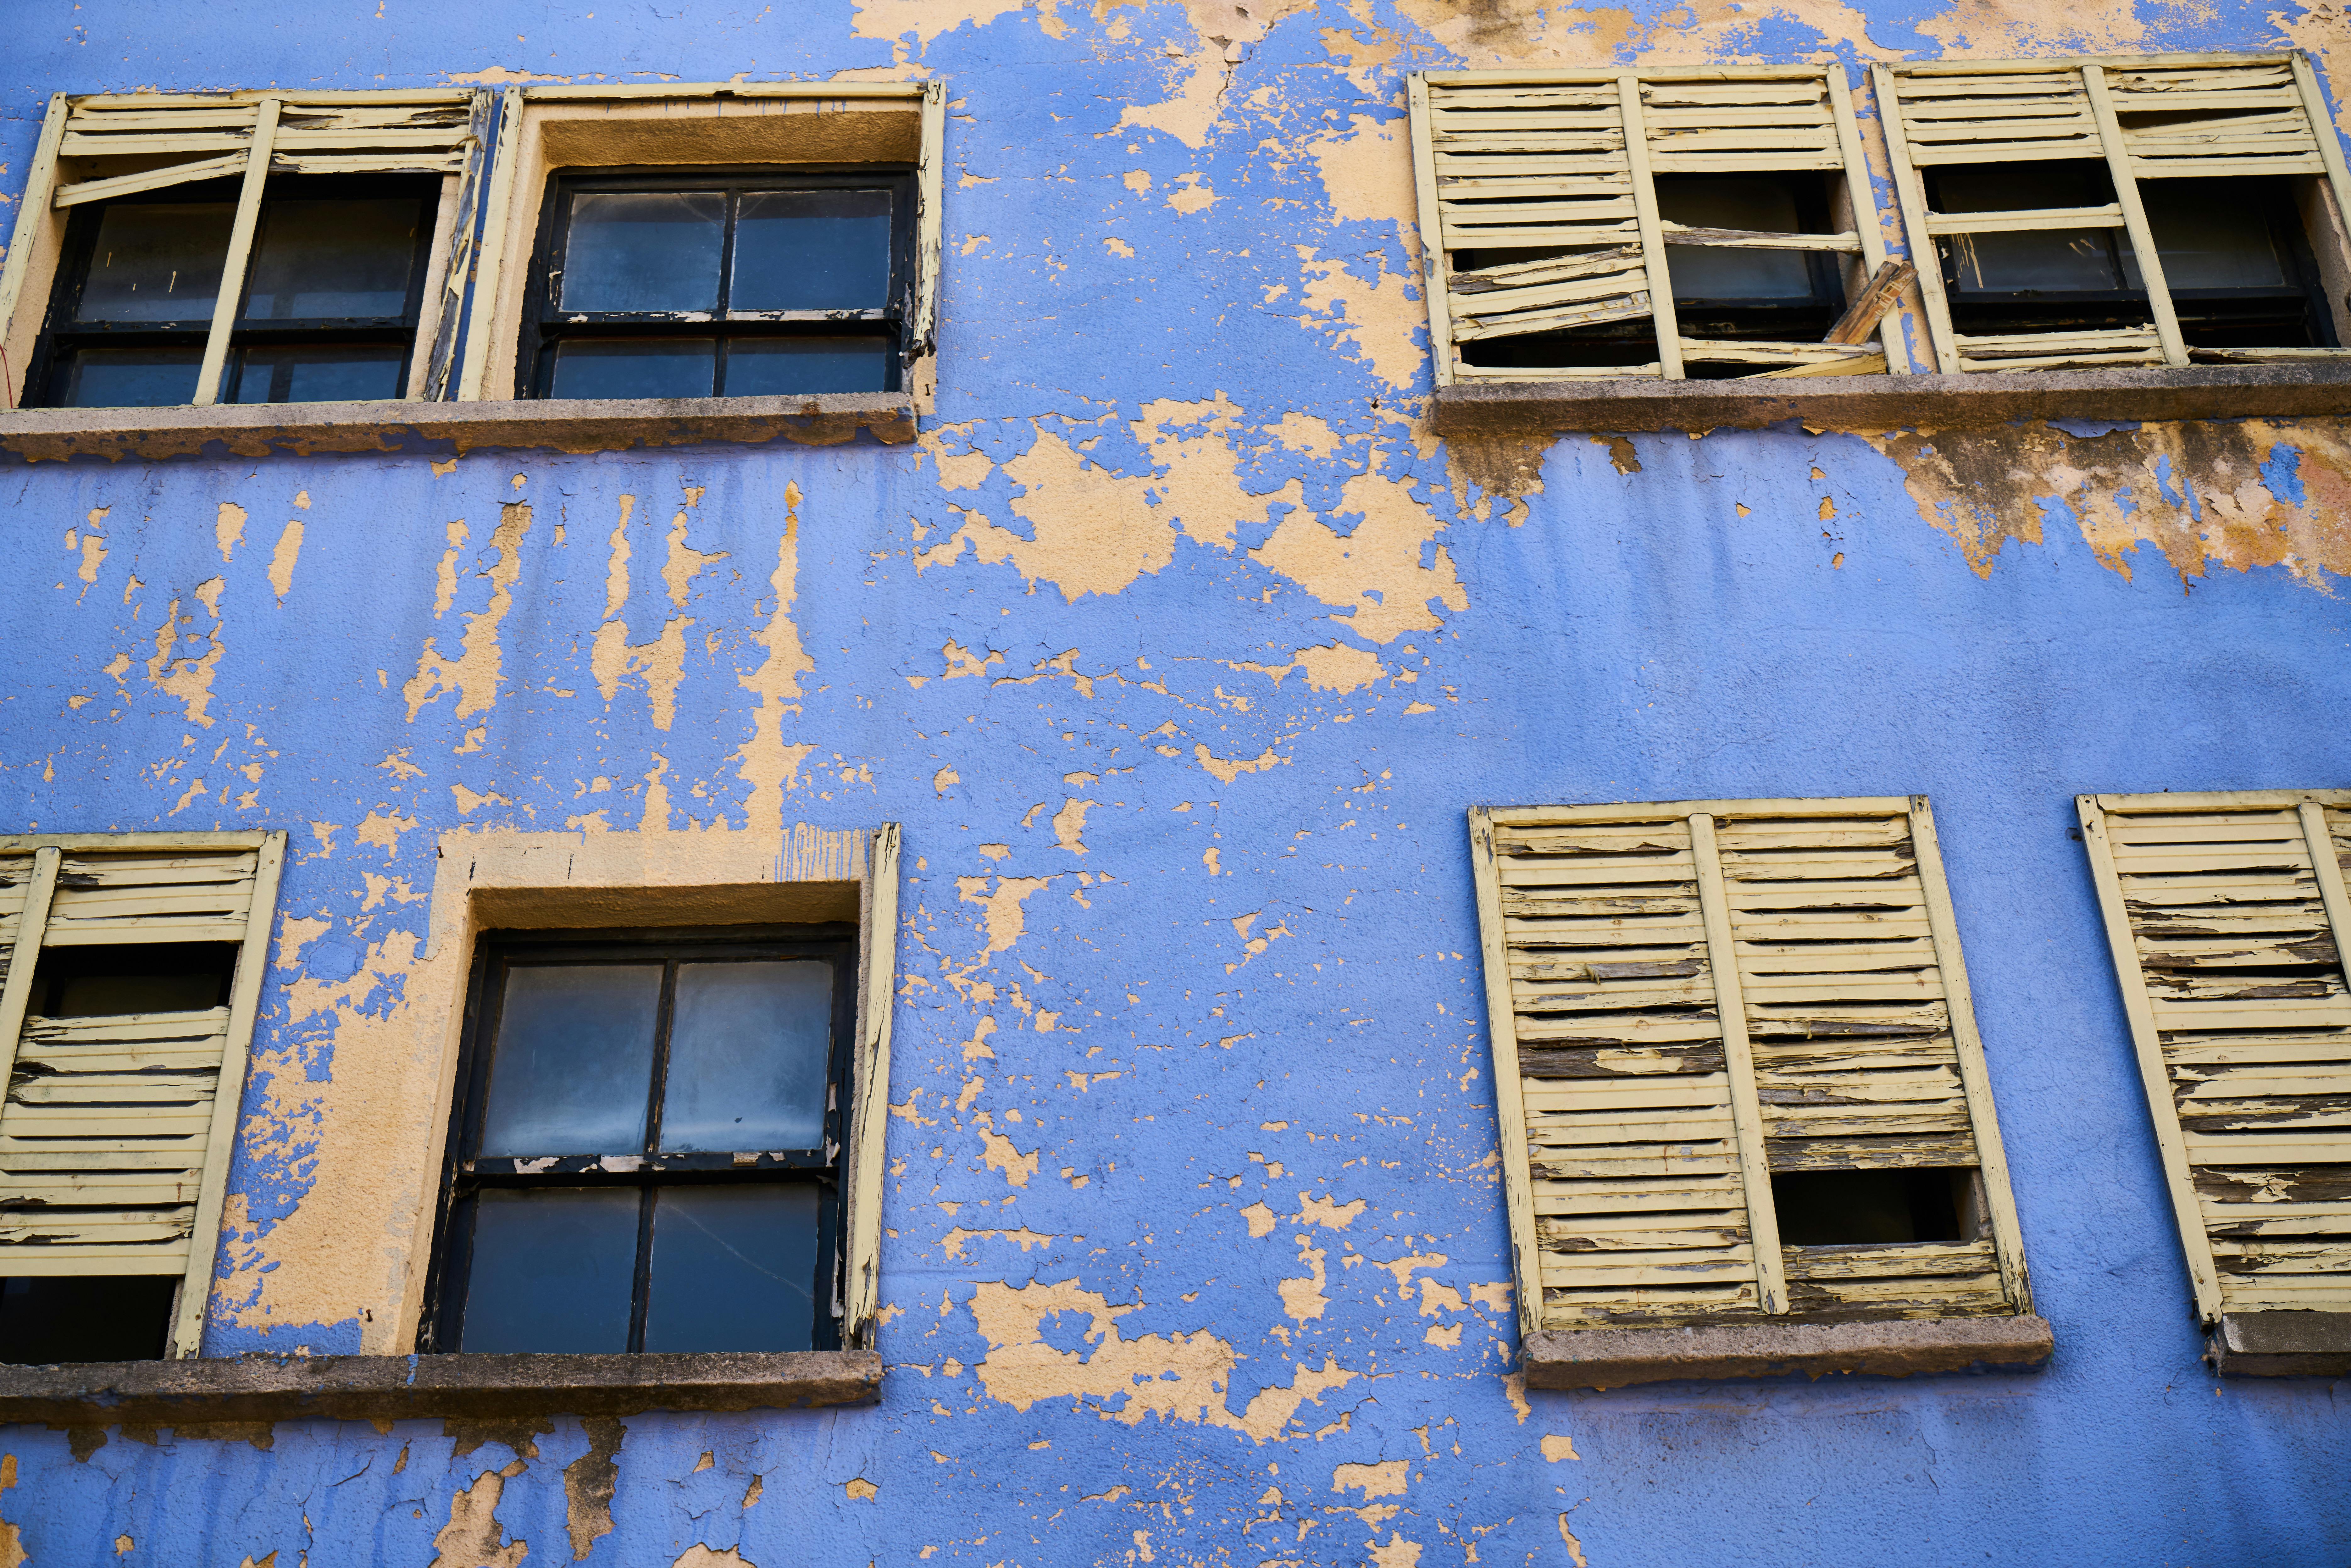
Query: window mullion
point(1738, 1064)
point(231, 297)
point(1662, 320)
point(2142, 237)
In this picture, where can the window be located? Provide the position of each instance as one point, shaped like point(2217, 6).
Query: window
point(299, 250)
point(2227, 919)
point(1740, 1079)
point(645, 1153)
point(1555, 207)
point(776, 239)
point(744, 285)
point(2145, 211)
point(134, 965)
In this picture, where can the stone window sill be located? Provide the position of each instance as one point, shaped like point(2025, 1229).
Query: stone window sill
point(2281, 1345)
point(1894, 402)
point(1617, 1358)
point(405, 1387)
point(259, 430)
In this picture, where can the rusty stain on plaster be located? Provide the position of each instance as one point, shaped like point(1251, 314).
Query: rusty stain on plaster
point(589, 1482)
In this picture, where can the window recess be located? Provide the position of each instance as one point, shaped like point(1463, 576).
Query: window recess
point(2228, 918)
point(2145, 210)
point(134, 963)
point(254, 247)
point(1739, 1080)
point(1693, 223)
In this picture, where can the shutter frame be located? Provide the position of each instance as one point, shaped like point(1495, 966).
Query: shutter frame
point(867, 1162)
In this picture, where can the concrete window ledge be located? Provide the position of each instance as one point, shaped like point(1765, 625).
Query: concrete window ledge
point(260, 430)
point(1894, 402)
point(2281, 1345)
point(1615, 1358)
point(402, 1387)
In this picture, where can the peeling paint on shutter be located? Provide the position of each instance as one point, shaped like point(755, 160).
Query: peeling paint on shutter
point(115, 1130)
point(877, 961)
point(1687, 998)
point(2227, 917)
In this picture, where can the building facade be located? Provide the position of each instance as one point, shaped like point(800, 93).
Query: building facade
point(1147, 648)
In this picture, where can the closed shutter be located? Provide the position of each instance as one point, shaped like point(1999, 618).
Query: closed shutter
point(1567, 159)
point(116, 1132)
point(868, 1121)
point(2227, 917)
point(2159, 117)
point(1689, 999)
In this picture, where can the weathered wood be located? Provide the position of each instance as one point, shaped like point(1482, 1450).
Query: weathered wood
point(870, 1108)
point(1878, 295)
point(489, 256)
point(2142, 237)
point(1722, 949)
point(1502, 1034)
point(1651, 225)
point(32, 212)
point(23, 957)
point(1910, 195)
point(930, 221)
point(230, 296)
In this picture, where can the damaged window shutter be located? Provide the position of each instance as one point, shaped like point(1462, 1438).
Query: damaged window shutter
point(117, 1129)
point(2146, 118)
point(870, 1085)
point(2227, 917)
point(1688, 999)
point(1567, 162)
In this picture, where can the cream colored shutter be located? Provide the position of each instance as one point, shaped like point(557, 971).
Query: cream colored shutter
point(1566, 158)
point(2148, 118)
point(1686, 998)
point(116, 1132)
point(2227, 917)
point(869, 1114)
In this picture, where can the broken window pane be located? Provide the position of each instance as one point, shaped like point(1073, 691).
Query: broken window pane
point(554, 1270)
point(734, 1268)
point(812, 250)
point(779, 367)
point(157, 261)
point(573, 1058)
point(644, 250)
point(748, 1048)
point(325, 260)
point(635, 367)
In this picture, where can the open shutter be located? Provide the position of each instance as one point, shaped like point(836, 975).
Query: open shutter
point(116, 1132)
point(2147, 118)
point(2227, 921)
point(1567, 158)
point(868, 1118)
point(1687, 999)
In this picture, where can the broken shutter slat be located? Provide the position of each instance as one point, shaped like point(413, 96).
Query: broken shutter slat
point(870, 1107)
point(1651, 228)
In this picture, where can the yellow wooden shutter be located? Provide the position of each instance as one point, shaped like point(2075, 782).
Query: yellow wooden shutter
point(1567, 159)
point(1687, 998)
point(116, 1132)
point(2155, 117)
point(2228, 920)
point(868, 1113)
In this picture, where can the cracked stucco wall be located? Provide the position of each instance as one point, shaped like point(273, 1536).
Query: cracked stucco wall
point(1179, 647)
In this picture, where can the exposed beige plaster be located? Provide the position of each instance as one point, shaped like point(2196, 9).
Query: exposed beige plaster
point(476, 673)
point(1386, 1479)
point(1004, 919)
point(474, 1538)
point(188, 680)
point(699, 1556)
point(765, 761)
point(1222, 30)
point(1376, 570)
point(12, 1537)
point(1339, 667)
point(925, 19)
point(228, 528)
point(282, 560)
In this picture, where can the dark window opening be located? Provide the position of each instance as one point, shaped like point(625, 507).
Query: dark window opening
point(2238, 265)
point(1880, 1207)
point(327, 311)
point(742, 284)
point(46, 1320)
point(111, 980)
point(645, 1155)
point(1721, 293)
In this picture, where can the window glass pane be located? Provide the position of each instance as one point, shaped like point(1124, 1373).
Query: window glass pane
point(2209, 237)
point(776, 367)
point(812, 250)
point(635, 367)
point(332, 259)
point(157, 261)
point(320, 375)
point(734, 1268)
point(748, 1045)
point(1714, 272)
point(130, 377)
point(574, 1059)
point(2046, 259)
point(553, 1269)
point(644, 250)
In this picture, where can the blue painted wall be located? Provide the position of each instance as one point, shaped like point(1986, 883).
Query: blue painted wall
point(1232, 1007)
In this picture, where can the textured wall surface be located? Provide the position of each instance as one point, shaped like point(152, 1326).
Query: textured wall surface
point(1179, 648)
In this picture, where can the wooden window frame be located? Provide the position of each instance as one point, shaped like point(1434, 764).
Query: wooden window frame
point(1643, 152)
point(2092, 131)
point(1745, 1110)
point(545, 132)
point(34, 918)
point(248, 136)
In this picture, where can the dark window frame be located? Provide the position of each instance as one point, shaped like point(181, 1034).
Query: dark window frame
point(544, 326)
point(441, 1328)
point(63, 337)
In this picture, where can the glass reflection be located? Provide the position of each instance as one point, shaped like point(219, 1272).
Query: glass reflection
point(748, 1045)
point(320, 374)
point(779, 367)
point(332, 259)
point(2059, 260)
point(554, 1270)
point(643, 250)
point(157, 261)
point(734, 1268)
point(635, 367)
point(129, 378)
point(574, 1053)
point(812, 250)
